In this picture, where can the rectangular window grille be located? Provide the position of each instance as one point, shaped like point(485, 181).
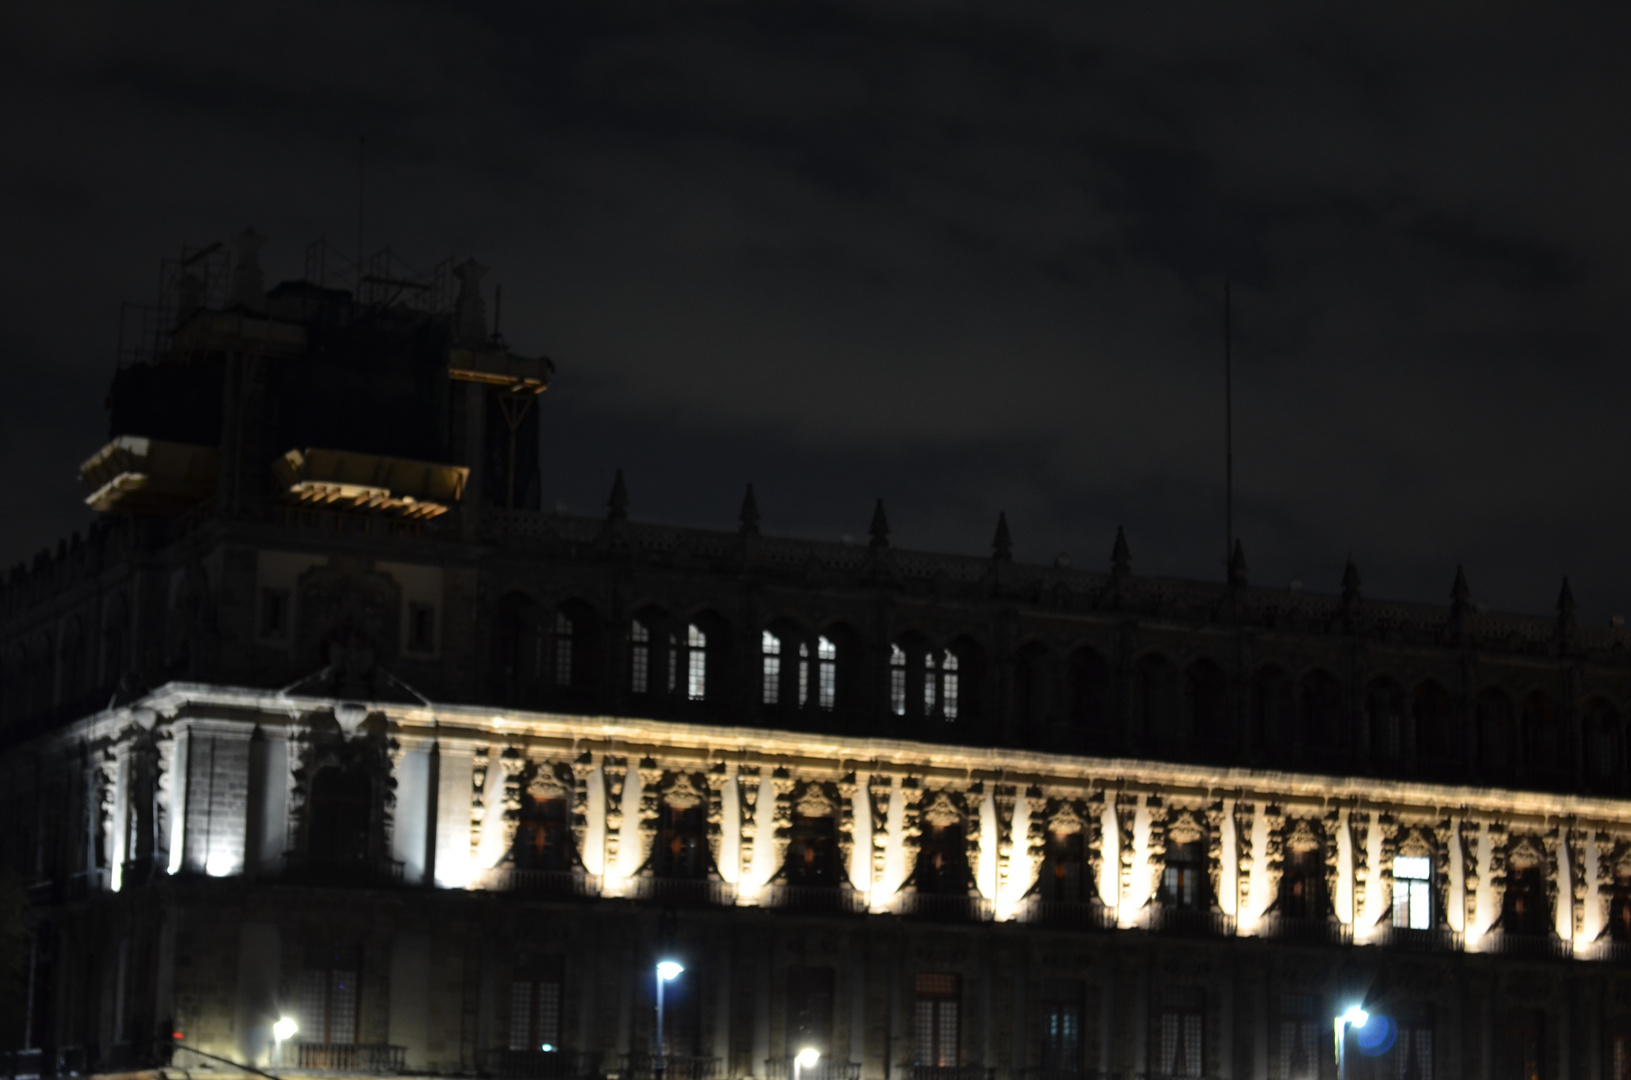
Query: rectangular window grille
point(931, 683)
point(949, 708)
point(535, 1010)
point(1413, 892)
point(421, 628)
point(897, 680)
point(1413, 1052)
point(1526, 1045)
point(827, 655)
point(696, 642)
point(673, 662)
point(329, 996)
point(640, 658)
point(936, 1018)
point(563, 649)
point(804, 674)
point(1300, 1042)
point(809, 1008)
point(1621, 1057)
point(1062, 1025)
point(1182, 1031)
point(772, 648)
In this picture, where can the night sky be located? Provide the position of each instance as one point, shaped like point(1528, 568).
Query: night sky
point(968, 258)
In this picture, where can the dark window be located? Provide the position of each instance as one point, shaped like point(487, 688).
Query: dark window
point(682, 1015)
point(942, 861)
point(1062, 1025)
point(1321, 711)
point(1155, 697)
point(1183, 882)
point(1493, 710)
point(812, 851)
point(341, 813)
point(1272, 704)
point(809, 1009)
point(1433, 711)
point(421, 628)
point(1302, 885)
point(1031, 684)
point(681, 845)
point(1524, 908)
point(1180, 1031)
point(275, 614)
point(639, 657)
point(330, 992)
point(1525, 1037)
point(543, 840)
point(935, 1017)
point(1384, 708)
point(1603, 745)
point(1064, 869)
point(1089, 690)
point(1206, 693)
point(535, 1006)
point(1301, 1045)
point(565, 650)
point(1619, 909)
point(1620, 1051)
point(1413, 1050)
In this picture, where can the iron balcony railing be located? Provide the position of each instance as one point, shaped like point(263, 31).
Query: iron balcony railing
point(1607, 950)
point(1528, 946)
point(1309, 931)
point(691, 891)
point(675, 1067)
point(1068, 914)
point(1434, 939)
point(544, 1064)
point(361, 873)
point(542, 883)
point(818, 899)
point(944, 907)
point(1070, 1074)
point(949, 1072)
point(351, 1057)
point(782, 1069)
point(1188, 922)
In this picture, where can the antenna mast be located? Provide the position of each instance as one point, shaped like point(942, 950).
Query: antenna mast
point(1228, 431)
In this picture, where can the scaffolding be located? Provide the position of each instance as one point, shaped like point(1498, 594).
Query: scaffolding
point(196, 279)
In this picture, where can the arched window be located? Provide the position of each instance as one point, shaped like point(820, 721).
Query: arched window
point(114, 635)
point(771, 648)
point(1493, 710)
point(565, 632)
point(827, 674)
point(696, 670)
point(804, 674)
point(949, 685)
point(1032, 684)
point(517, 656)
point(812, 851)
point(639, 657)
point(1321, 711)
point(681, 845)
point(1155, 697)
point(1525, 908)
point(1384, 710)
point(1433, 711)
point(1206, 704)
point(1272, 705)
point(1540, 742)
point(1089, 690)
point(543, 840)
point(1604, 746)
point(897, 680)
point(1302, 883)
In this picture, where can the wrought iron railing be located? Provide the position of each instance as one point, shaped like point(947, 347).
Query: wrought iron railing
point(1068, 914)
point(525, 882)
point(1434, 939)
point(1070, 1074)
point(1606, 950)
point(375, 872)
point(822, 899)
point(1309, 931)
point(351, 1057)
point(782, 1069)
point(695, 891)
point(1529, 946)
point(949, 1072)
point(946, 907)
point(544, 1064)
point(675, 1067)
point(1190, 922)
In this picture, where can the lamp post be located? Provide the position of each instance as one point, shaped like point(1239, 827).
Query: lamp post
point(805, 1059)
point(282, 1031)
point(1354, 1017)
point(666, 970)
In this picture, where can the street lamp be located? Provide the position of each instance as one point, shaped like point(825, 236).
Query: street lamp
point(1355, 1017)
point(806, 1059)
point(666, 970)
point(282, 1031)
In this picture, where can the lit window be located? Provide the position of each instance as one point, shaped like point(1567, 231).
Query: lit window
point(640, 658)
point(773, 668)
point(931, 683)
point(673, 661)
point(804, 674)
point(827, 684)
point(696, 644)
point(949, 696)
point(935, 1018)
point(563, 649)
point(897, 680)
point(1413, 892)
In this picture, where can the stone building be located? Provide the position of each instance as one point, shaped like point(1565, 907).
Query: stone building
point(326, 720)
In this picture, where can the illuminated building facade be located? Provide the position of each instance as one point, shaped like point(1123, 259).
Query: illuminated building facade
point(327, 721)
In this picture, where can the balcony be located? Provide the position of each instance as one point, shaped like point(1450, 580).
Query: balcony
point(1607, 951)
point(1306, 931)
point(1436, 939)
point(544, 1064)
point(675, 1067)
point(782, 1069)
point(691, 892)
point(1528, 946)
point(541, 883)
point(1188, 922)
point(948, 1072)
point(1068, 914)
point(353, 873)
point(1070, 1074)
point(350, 1057)
point(943, 907)
point(815, 899)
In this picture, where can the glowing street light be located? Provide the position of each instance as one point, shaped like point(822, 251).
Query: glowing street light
point(806, 1059)
point(667, 970)
point(1355, 1017)
point(282, 1031)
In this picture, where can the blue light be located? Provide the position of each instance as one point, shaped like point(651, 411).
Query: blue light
point(1376, 1037)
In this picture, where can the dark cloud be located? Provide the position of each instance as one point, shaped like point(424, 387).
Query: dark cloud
point(965, 257)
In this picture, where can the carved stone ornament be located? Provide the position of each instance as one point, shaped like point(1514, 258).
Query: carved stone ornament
point(1066, 821)
point(942, 811)
point(814, 802)
point(1525, 854)
point(1302, 838)
point(547, 784)
point(1184, 829)
point(1622, 860)
point(1415, 845)
point(682, 794)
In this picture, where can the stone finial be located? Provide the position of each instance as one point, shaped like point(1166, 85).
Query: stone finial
point(617, 506)
point(1238, 571)
point(245, 285)
point(880, 527)
point(1002, 545)
point(1565, 603)
point(1121, 556)
point(469, 311)
point(749, 516)
point(1460, 594)
point(1350, 583)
